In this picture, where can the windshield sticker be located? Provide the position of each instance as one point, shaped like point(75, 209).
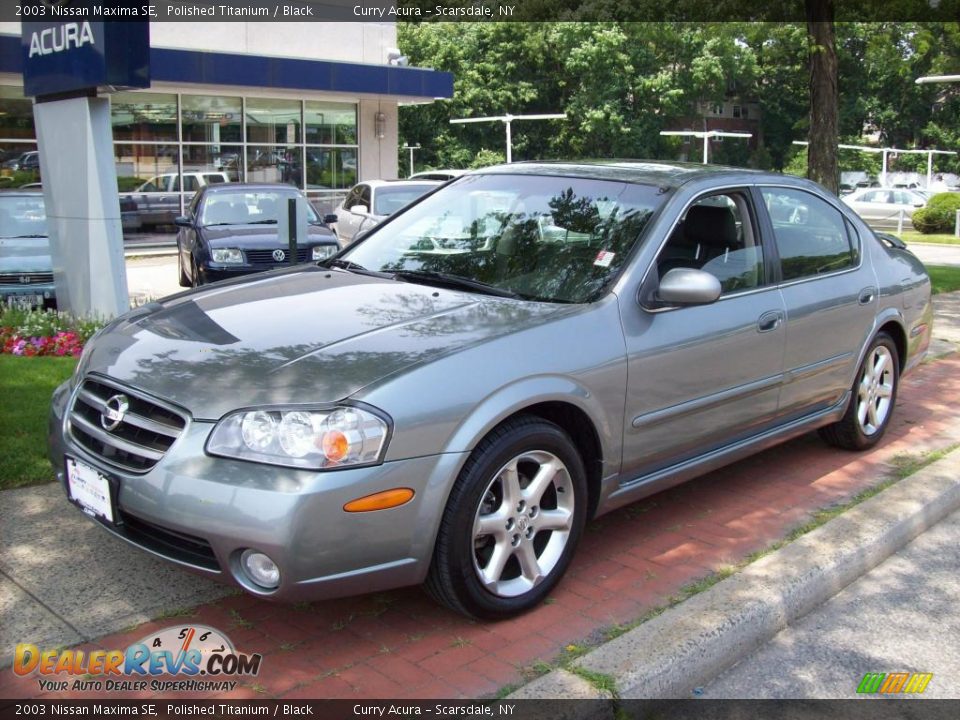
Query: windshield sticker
point(604, 258)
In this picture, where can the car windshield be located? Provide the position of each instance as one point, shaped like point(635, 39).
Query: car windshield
point(22, 217)
point(547, 238)
point(388, 200)
point(248, 208)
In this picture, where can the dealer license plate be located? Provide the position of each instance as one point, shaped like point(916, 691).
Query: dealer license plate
point(89, 489)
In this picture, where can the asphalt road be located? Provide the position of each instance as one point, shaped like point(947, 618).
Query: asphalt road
point(903, 616)
point(931, 254)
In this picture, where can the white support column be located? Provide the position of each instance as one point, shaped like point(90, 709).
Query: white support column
point(509, 141)
point(75, 140)
point(929, 169)
point(883, 172)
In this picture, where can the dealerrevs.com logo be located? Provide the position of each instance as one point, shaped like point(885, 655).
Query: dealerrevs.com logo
point(193, 658)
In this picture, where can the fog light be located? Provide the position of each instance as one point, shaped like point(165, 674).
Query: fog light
point(260, 568)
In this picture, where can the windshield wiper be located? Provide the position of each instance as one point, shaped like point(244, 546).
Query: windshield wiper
point(456, 281)
point(353, 267)
point(262, 222)
point(26, 236)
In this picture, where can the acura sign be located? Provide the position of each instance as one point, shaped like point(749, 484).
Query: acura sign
point(78, 56)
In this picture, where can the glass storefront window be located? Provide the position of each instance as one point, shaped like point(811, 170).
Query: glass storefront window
point(217, 163)
point(211, 119)
point(331, 168)
point(19, 164)
point(328, 123)
point(273, 121)
point(272, 163)
point(144, 116)
point(16, 115)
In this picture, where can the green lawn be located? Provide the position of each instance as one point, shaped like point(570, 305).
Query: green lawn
point(910, 236)
point(26, 385)
point(945, 278)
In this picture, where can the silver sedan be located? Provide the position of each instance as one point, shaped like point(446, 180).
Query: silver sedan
point(450, 399)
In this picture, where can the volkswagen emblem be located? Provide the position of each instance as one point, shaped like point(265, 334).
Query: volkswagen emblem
point(279, 255)
point(112, 415)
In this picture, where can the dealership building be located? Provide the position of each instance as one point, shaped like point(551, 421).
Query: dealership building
point(311, 104)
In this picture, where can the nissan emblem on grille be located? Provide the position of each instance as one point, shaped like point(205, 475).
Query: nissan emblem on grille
point(116, 407)
point(279, 255)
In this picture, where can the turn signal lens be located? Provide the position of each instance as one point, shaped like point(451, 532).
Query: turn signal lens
point(380, 501)
point(335, 446)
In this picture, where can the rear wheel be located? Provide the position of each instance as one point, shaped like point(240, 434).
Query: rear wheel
point(874, 397)
point(512, 523)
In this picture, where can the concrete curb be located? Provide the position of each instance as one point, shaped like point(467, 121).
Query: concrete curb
point(696, 640)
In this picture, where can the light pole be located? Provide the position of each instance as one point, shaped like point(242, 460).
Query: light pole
point(507, 120)
point(706, 135)
point(937, 79)
point(411, 148)
point(888, 151)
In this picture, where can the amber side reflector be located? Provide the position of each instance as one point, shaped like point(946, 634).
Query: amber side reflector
point(380, 500)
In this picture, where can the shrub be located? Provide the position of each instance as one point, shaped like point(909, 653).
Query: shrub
point(939, 215)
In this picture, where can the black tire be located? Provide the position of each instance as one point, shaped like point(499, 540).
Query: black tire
point(197, 279)
point(527, 444)
point(856, 430)
point(184, 280)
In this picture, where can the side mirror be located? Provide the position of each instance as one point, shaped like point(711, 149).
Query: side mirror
point(686, 286)
point(919, 204)
point(360, 210)
point(182, 221)
point(329, 219)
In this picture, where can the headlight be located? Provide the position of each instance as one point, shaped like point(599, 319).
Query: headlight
point(227, 256)
point(322, 252)
point(315, 439)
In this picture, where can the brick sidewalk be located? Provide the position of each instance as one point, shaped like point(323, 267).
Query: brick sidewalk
point(402, 645)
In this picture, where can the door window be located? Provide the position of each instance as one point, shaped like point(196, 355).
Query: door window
point(716, 235)
point(812, 238)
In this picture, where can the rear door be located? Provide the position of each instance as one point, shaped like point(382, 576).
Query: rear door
point(704, 376)
point(830, 296)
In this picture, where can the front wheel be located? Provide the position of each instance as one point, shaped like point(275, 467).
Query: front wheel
point(874, 397)
point(512, 522)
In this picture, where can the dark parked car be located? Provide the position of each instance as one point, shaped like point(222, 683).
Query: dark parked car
point(26, 272)
point(231, 230)
point(450, 399)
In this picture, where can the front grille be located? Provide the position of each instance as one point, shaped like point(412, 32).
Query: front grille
point(168, 543)
point(26, 278)
point(139, 440)
point(265, 257)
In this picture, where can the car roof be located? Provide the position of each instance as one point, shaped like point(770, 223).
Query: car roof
point(235, 186)
point(416, 182)
point(645, 172)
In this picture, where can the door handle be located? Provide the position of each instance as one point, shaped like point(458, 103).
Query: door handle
point(867, 295)
point(769, 321)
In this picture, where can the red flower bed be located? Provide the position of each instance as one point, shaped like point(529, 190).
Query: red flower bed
point(62, 344)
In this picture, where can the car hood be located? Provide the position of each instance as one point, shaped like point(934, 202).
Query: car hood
point(259, 236)
point(295, 337)
point(25, 255)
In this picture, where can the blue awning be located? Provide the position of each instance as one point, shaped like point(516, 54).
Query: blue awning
point(212, 68)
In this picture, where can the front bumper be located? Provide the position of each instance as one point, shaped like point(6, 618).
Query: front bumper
point(202, 512)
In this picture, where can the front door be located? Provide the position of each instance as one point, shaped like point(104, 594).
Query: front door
point(703, 376)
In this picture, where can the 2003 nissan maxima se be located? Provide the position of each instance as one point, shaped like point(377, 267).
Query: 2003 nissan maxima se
point(449, 400)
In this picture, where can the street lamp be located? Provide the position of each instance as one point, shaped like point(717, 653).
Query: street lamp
point(706, 135)
point(887, 151)
point(411, 148)
point(506, 120)
point(937, 79)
